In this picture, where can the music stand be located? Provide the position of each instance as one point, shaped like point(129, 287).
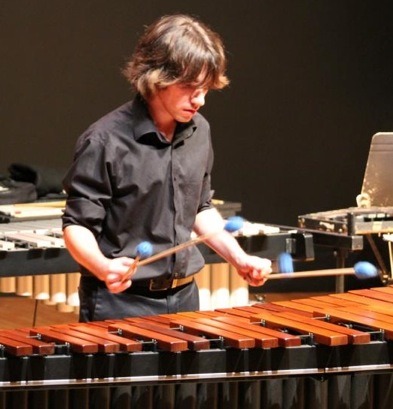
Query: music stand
point(377, 188)
point(378, 176)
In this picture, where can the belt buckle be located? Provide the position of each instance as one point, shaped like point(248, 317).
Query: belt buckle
point(160, 284)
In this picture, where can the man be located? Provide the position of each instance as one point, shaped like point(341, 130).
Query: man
point(142, 173)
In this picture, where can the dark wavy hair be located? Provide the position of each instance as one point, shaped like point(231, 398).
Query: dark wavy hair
point(177, 49)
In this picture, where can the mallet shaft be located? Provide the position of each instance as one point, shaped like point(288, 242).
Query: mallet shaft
point(313, 273)
point(165, 253)
point(176, 249)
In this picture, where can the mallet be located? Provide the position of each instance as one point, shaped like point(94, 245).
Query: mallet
point(143, 250)
point(362, 270)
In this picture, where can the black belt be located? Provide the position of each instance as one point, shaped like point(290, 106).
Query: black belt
point(163, 284)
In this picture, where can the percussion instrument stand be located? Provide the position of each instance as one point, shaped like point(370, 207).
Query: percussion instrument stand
point(389, 238)
point(341, 255)
point(385, 275)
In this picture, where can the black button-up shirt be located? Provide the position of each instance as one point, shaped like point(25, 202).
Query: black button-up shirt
point(127, 184)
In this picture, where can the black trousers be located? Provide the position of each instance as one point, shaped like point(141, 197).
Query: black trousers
point(98, 304)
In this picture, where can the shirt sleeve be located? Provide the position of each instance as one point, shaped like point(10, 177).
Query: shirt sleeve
point(88, 187)
point(207, 192)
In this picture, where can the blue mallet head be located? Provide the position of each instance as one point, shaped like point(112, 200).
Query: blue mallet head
point(285, 263)
point(233, 224)
point(144, 249)
point(364, 269)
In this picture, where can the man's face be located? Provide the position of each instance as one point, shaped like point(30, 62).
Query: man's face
point(181, 102)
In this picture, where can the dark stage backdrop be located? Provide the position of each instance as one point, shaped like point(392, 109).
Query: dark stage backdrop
point(312, 81)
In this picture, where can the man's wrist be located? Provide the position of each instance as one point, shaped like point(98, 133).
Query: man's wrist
point(101, 268)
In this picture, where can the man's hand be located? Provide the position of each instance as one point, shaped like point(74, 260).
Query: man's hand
point(117, 269)
point(254, 270)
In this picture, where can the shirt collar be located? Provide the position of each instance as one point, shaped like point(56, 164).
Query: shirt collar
point(146, 132)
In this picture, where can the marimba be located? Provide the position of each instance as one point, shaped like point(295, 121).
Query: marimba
point(327, 351)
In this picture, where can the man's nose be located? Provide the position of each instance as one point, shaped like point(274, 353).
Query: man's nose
point(198, 98)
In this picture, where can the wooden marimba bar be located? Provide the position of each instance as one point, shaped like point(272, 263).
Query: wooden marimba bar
point(325, 351)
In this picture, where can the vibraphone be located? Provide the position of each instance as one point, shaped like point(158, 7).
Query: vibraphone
point(351, 230)
point(34, 262)
point(330, 351)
